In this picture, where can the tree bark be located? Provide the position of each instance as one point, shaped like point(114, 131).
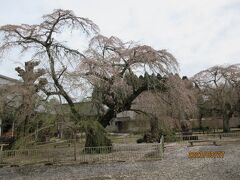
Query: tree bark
point(227, 114)
point(106, 118)
point(226, 119)
point(154, 126)
point(200, 120)
point(112, 111)
point(96, 135)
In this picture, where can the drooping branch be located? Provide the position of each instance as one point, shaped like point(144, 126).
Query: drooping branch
point(219, 87)
point(59, 58)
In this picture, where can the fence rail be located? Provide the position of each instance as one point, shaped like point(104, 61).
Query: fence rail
point(181, 137)
point(117, 152)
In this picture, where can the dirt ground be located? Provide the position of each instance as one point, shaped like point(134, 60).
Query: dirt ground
point(175, 165)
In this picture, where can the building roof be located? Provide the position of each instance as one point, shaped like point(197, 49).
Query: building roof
point(8, 78)
point(84, 108)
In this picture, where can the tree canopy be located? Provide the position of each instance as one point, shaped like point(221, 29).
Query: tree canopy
point(220, 89)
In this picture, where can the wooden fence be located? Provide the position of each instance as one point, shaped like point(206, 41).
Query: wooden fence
point(180, 137)
point(117, 152)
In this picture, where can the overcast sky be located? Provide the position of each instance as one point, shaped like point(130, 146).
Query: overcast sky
point(199, 33)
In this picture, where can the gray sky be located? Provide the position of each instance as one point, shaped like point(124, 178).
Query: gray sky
point(198, 33)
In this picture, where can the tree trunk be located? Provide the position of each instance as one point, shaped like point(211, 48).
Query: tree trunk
point(226, 119)
point(106, 118)
point(23, 129)
point(200, 120)
point(154, 126)
point(155, 133)
point(0, 127)
point(111, 113)
point(13, 128)
point(96, 135)
point(227, 114)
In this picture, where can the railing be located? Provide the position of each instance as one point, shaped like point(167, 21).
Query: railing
point(236, 134)
point(125, 140)
point(117, 152)
point(180, 137)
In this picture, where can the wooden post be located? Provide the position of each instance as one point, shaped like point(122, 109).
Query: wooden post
point(13, 129)
point(1, 156)
point(75, 145)
point(0, 127)
point(36, 134)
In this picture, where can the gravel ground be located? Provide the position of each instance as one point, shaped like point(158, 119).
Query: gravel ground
point(175, 165)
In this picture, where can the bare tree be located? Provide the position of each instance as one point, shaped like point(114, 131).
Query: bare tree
point(28, 89)
point(168, 109)
point(220, 87)
point(20, 98)
point(113, 68)
point(42, 41)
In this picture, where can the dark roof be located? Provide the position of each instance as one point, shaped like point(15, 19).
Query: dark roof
point(84, 108)
point(8, 78)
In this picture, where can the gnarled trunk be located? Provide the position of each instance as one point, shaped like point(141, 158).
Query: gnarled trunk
point(106, 118)
point(96, 135)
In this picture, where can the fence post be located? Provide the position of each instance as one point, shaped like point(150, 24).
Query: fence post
point(75, 145)
point(1, 156)
point(163, 143)
point(48, 155)
point(162, 146)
